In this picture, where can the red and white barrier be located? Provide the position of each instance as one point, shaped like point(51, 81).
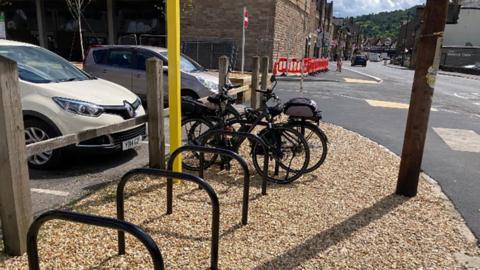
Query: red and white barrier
point(310, 65)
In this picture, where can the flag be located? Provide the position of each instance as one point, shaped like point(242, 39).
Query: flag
point(245, 18)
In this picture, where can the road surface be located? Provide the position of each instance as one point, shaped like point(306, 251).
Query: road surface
point(379, 111)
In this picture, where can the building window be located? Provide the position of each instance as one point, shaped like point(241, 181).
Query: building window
point(142, 17)
point(62, 28)
point(21, 21)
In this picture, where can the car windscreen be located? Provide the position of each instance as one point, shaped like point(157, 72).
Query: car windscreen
point(186, 64)
point(39, 65)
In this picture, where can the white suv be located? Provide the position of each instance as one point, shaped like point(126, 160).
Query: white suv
point(60, 99)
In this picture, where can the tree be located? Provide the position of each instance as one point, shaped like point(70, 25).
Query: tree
point(76, 8)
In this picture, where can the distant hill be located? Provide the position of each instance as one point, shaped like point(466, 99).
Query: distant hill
point(384, 24)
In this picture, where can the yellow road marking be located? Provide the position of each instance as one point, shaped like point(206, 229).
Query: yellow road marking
point(351, 80)
point(390, 105)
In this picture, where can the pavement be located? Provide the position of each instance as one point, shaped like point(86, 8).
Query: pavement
point(378, 110)
point(372, 101)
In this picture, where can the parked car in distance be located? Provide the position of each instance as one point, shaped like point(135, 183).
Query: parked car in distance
point(360, 60)
point(125, 65)
point(60, 99)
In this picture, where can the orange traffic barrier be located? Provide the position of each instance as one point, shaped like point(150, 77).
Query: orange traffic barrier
point(310, 65)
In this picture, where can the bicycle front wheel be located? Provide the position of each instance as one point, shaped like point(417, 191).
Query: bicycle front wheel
point(288, 155)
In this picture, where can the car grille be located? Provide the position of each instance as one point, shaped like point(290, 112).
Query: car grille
point(129, 134)
point(122, 110)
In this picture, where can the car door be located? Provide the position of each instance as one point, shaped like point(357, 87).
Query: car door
point(139, 74)
point(119, 67)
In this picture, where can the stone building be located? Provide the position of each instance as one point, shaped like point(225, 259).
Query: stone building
point(278, 28)
point(461, 44)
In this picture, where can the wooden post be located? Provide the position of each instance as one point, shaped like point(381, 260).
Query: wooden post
point(264, 71)
point(223, 63)
point(264, 82)
point(255, 79)
point(428, 61)
point(15, 200)
point(156, 127)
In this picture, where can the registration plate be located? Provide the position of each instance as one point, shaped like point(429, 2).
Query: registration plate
point(132, 143)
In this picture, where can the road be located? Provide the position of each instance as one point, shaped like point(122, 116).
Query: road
point(379, 111)
point(354, 101)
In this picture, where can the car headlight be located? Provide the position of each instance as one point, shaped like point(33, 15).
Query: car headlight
point(79, 107)
point(209, 84)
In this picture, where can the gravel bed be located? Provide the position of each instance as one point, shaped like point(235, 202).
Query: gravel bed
point(342, 217)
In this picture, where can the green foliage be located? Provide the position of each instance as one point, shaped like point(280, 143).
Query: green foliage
point(384, 24)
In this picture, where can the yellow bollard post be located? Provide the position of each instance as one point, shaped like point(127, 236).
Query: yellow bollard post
point(174, 78)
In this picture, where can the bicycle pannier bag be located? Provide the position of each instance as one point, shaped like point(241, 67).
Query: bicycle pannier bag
point(302, 107)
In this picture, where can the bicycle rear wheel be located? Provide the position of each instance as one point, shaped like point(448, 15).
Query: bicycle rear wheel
point(288, 151)
point(192, 130)
point(317, 142)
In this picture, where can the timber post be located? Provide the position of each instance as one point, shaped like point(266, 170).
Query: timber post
point(15, 198)
point(255, 79)
point(428, 61)
point(264, 71)
point(223, 63)
point(155, 103)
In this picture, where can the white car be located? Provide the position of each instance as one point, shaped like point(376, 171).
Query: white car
point(60, 99)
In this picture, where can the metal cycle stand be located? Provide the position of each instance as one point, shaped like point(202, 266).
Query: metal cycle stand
point(254, 137)
point(137, 232)
point(203, 150)
point(172, 175)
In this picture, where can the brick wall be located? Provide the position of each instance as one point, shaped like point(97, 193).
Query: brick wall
point(277, 27)
point(290, 29)
point(222, 19)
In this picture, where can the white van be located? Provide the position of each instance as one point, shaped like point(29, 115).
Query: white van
point(60, 99)
point(374, 57)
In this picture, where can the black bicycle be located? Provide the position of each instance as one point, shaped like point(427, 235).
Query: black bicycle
point(287, 148)
point(304, 117)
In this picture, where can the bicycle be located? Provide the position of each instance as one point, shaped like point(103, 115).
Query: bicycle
point(286, 145)
point(303, 116)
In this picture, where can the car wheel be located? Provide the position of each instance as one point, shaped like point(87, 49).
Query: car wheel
point(37, 131)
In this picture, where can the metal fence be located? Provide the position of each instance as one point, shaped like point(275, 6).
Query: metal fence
point(206, 51)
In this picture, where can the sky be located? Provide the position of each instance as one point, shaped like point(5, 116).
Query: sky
point(344, 8)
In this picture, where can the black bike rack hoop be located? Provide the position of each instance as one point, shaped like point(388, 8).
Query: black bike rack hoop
point(254, 137)
point(204, 150)
point(172, 175)
point(105, 222)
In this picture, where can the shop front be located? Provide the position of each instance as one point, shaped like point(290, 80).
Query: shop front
point(52, 25)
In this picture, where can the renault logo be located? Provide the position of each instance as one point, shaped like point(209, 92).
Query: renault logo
point(130, 110)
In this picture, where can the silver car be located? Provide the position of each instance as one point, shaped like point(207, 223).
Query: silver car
point(125, 65)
